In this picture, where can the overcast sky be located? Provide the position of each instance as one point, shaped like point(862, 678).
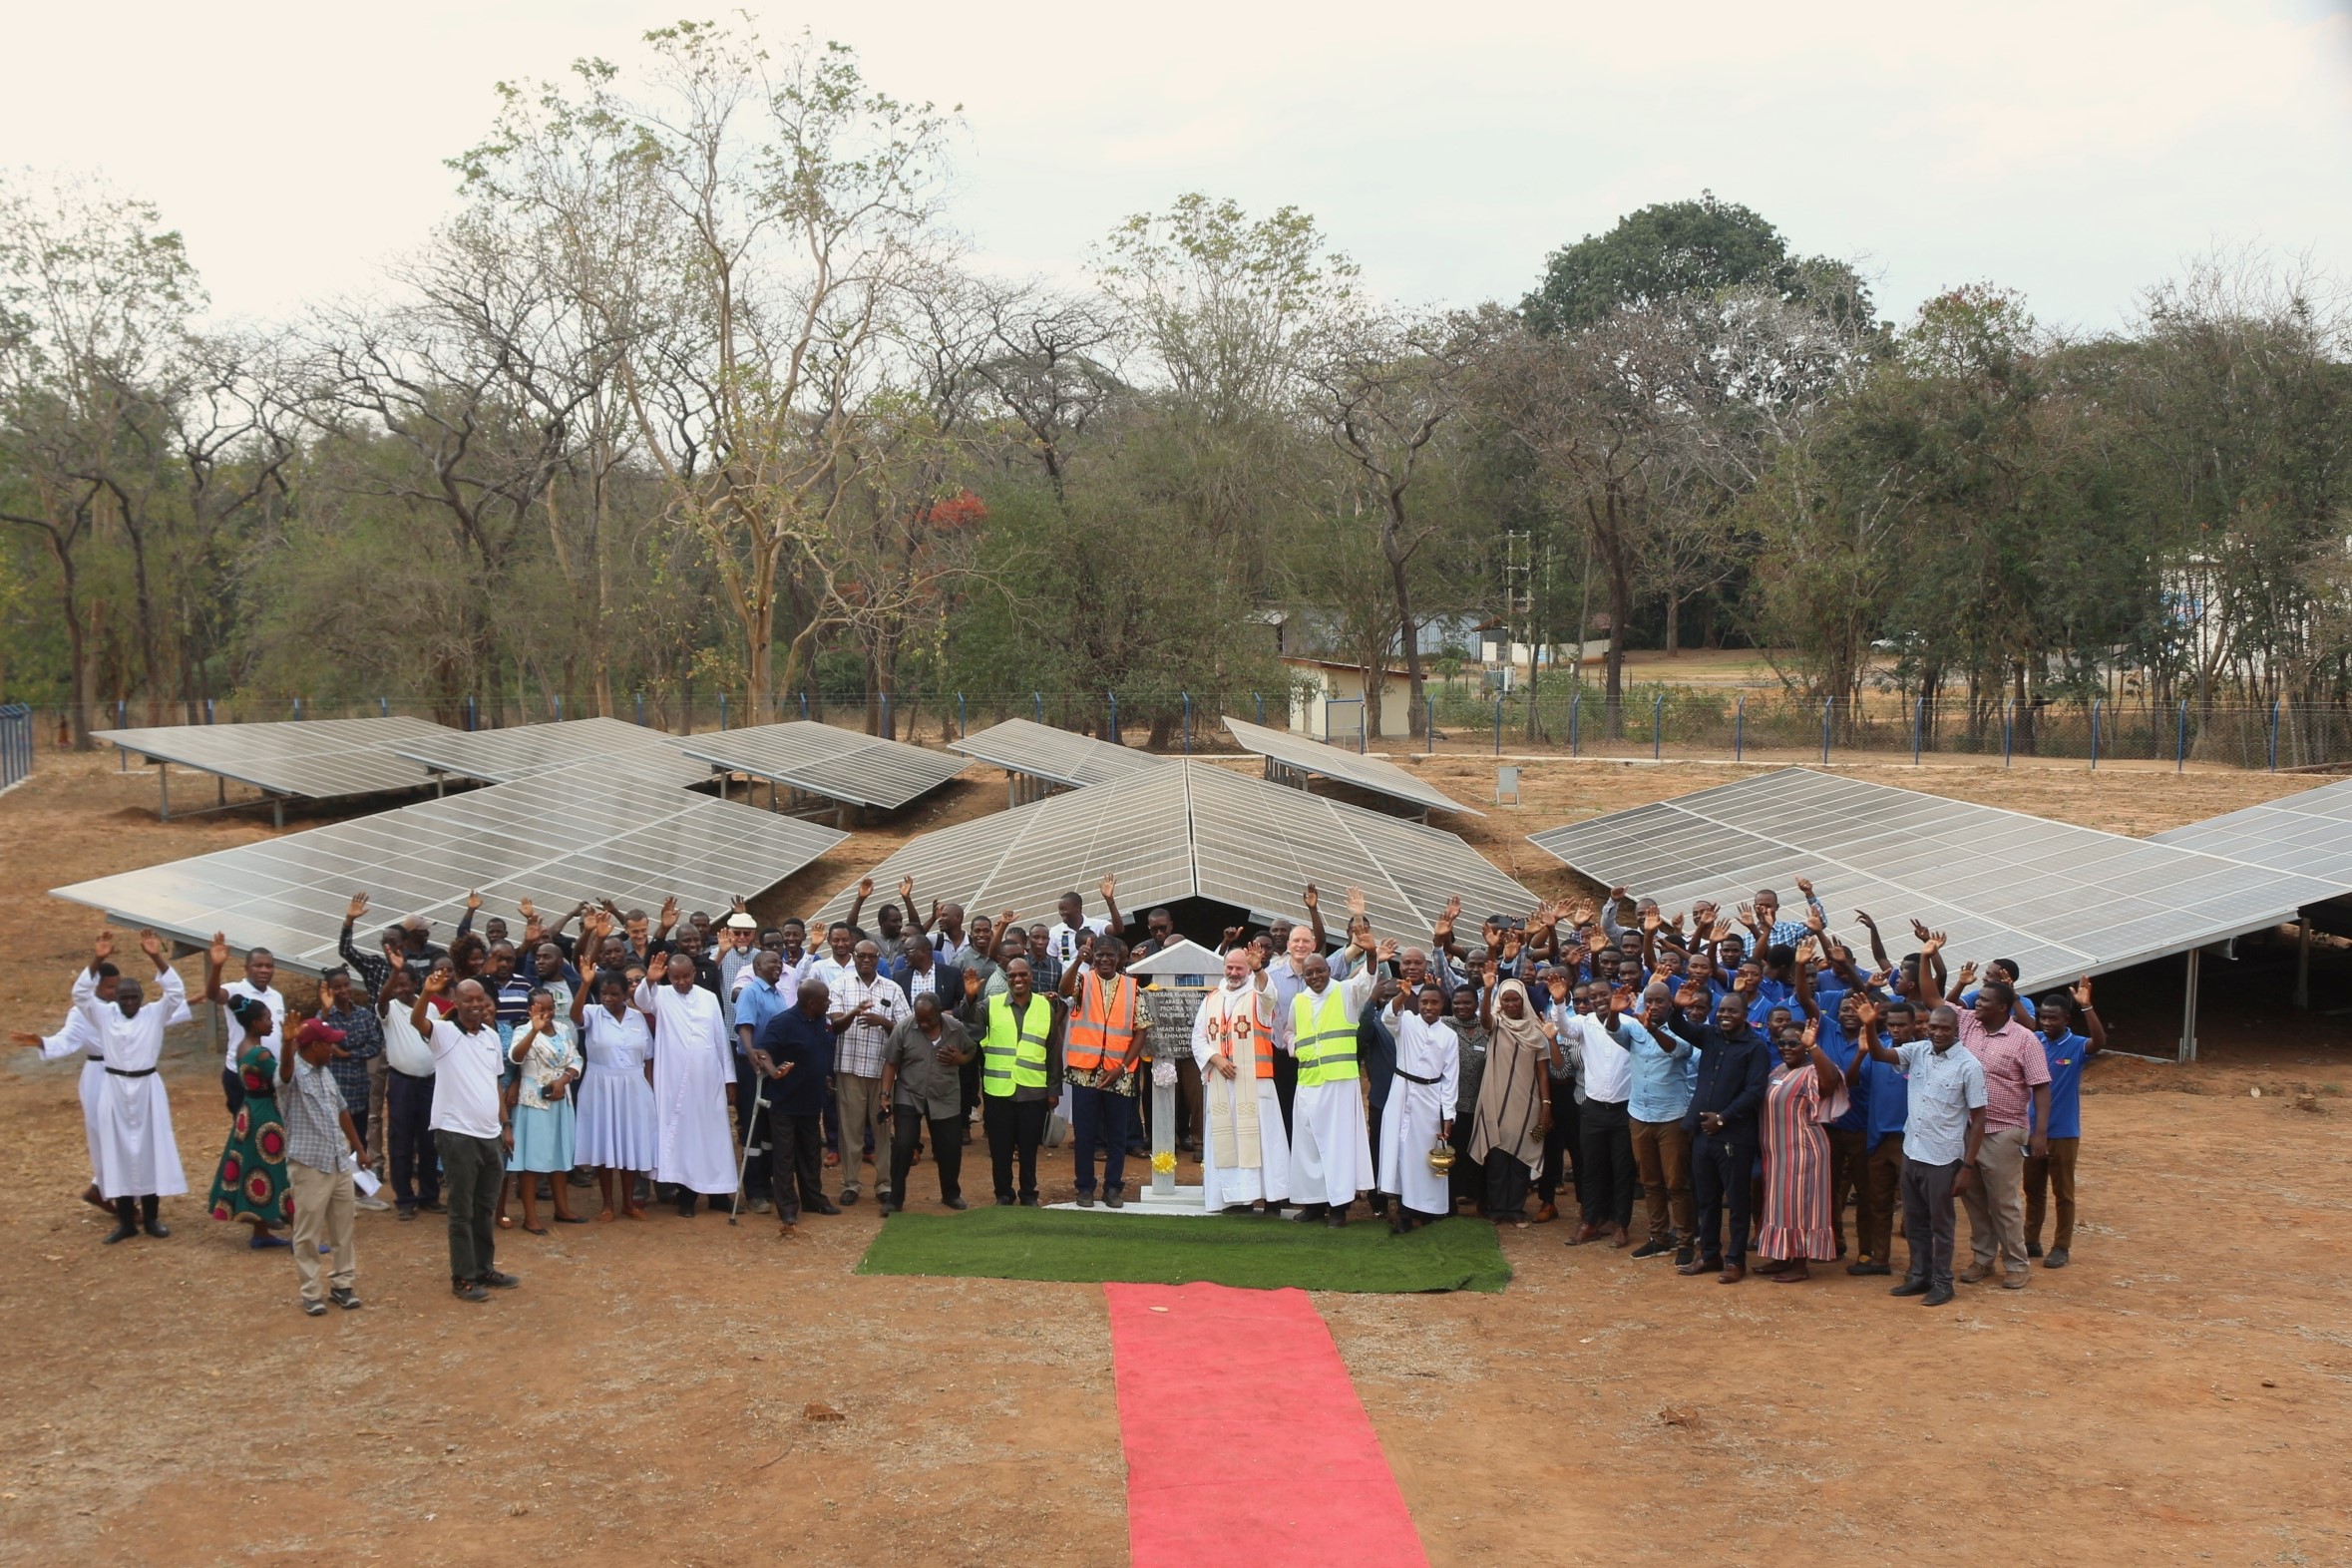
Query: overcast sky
point(2075, 151)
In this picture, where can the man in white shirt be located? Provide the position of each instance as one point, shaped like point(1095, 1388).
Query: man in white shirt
point(414, 1166)
point(470, 1128)
point(1063, 939)
point(260, 969)
point(1604, 1156)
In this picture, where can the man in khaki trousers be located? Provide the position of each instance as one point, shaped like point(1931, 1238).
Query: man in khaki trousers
point(322, 1151)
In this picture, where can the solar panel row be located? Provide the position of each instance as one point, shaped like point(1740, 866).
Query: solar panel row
point(2058, 900)
point(558, 837)
point(821, 759)
point(313, 759)
point(1057, 755)
point(2309, 834)
point(501, 756)
point(1366, 772)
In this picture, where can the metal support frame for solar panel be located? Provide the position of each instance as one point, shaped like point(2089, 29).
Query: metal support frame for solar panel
point(823, 760)
point(1195, 830)
point(501, 756)
point(1299, 754)
point(556, 838)
point(1038, 758)
point(2071, 900)
point(300, 759)
point(2309, 834)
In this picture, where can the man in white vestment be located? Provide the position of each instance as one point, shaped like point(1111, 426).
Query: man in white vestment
point(1245, 1153)
point(1419, 1112)
point(75, 1036)
point(693, 1084)
point(137, 1159)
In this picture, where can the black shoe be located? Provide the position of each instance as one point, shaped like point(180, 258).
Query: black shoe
point(122, 1232)
point(1308, 1214)
point(1337, 1217)
point(1937, 1296)
point(1029, 1200)
point(581, 1179)
point(958, 1204)
point(431, 1206)
point(467, 1290)
point(686, 1204)
point(1910, 1287)
point(1380, 1204)
point(2057, 1259)
point(500, 1281)
point(345, 1298)
point(1114, 1199)
point(1003, 1202)
point(155, 1228)
point(1653, 1249)
point(882, 1207)
point(1085, 1200)
point(407, 1212)
point(1682, 1255)
point(315, 1309)
point(824, 1206)
point(2033, 1249)
point(1868, 1267)
point(849, 1197)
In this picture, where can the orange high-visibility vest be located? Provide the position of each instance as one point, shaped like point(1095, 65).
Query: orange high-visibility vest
point(1102, 1030)
point(1233, 1037)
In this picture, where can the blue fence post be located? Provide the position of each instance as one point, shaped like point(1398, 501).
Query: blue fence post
point(2275, 735)
point(1428, 726)
point(1188, 723)
point(1739, 726)
point(1656, 726)
point(209, 716)
point(2094, 734)
point(559, 707)
point(384, 707)
point(886, 733)
point(298, 711)
point(1038, 697)
point(963, 728)
point(1499, 702)
point(1825, 703)
point(123, 712)
point(1575, 723)
point(1918, 722)
point(640, 710)
point(2008, 730)
point(1115, 715)
point(470, 716)
point(804, 704)
point(1363, 726)
point(722, 712)
point(2180, 740)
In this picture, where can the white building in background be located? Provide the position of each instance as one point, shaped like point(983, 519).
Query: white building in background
point(1327, 700)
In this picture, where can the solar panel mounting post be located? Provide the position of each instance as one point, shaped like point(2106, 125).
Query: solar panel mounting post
point(2188, 1010)
point(164, 786)
point(2302, 959)
point(1739, 726)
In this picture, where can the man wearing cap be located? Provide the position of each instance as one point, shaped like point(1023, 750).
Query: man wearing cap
point(323, 1149)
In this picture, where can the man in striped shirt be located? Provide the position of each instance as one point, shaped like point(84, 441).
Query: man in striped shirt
point(866, 1005)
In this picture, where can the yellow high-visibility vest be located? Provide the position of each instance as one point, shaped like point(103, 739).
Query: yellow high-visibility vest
point(1324, 1037)
point(1012, 1056)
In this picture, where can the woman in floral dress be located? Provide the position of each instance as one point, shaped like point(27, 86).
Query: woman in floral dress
point(250, 1184)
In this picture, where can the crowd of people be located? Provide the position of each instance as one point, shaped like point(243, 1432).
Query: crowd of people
point(1738, 1074)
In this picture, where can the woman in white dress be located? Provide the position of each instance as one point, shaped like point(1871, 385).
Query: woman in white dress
point(1419, 1112)
point(615, 1129)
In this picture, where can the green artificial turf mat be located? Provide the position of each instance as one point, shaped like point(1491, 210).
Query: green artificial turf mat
point(1249, 1251)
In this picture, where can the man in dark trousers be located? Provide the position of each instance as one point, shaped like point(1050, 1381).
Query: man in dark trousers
point(1724, 1121)
point(1019, 1032)
point(793, 1056)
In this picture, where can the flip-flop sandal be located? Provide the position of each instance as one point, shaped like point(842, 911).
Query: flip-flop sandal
point(535, 1230)
point(505, 1223)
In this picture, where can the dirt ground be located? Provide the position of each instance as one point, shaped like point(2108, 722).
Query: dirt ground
point(2180, 1394)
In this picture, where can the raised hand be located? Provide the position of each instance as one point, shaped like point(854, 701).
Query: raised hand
point(1354, 901)
point(864, 887)
point(356, 907)
point(525, 909)
point(1967, 975)
point(1489, 974)
point(1931, 941)
point(1231, 935)
point(1748, 916)
point(104, 948)
point(1918, 927)
point(1805, 887)
point(1804, 950)
point(1867, 1013)
point(2082, 991)
point(1387, 949)
point(437, 983)
point(1312, 899)
point(1557, 986)
point(1110, 887)
point(1812, 1034)
point(1615, 894)
point(971, 983)
point(216, 954)
point(1689, 995)
point(1650, 921)
point(670, 911)
point(1702, 914)
point(1620, 999)
point(151, 945)
point(473, 900)
point(1863, 920)
point(1812, 919)
point(907, 888)
point(1453, 912)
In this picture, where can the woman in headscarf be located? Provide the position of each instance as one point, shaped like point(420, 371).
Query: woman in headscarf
point(1806, 1092)
point(250, 1184)
point(1514, 1098)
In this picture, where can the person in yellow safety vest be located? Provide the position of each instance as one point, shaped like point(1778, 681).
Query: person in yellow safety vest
point(1107, 1025)
point(1020, 1063)
point(1330, 1149)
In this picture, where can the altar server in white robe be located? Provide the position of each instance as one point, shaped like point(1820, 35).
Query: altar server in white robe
point(138, 1158)
point(1245, 1154)
point(76, 1038)
point(1419, 1112)
point(694, 1085)
point(1330, 1150)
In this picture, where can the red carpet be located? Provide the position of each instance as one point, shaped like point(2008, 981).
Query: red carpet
point(1245, 1439)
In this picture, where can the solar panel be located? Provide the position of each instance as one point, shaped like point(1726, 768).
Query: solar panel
point(556, 838)
point(1187, 830)
point(820, 759)
point(312, 759)
point(501, 756)
point(1057, 755)
point(2058, 898)
point(1364, 771)
point(2309, 833)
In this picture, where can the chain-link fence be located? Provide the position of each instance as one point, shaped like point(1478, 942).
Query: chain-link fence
point(1661, 723)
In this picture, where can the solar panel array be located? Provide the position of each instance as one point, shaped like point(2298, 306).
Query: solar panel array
point(2060, 900)
point(312, 759)
point(501, 756)
point(1057, 755)
point(820, 759)
point(2309, 833)
point(558, 837)
point(1195, 830)
point(1361, 770)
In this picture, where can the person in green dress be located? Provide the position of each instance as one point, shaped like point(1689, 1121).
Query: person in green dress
point(250, 1184)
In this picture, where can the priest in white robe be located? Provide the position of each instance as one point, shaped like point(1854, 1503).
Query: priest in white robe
point(76, 1038)
point(1419, 1112)
point(138, 1158)
point(1330, 1150)
point(1245, 1153)
point(694, 1085)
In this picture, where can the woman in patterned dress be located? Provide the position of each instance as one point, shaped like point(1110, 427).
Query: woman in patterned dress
point(1806, 1091)
point(250, 1184)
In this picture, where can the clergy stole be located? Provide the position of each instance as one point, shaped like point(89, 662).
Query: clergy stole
point(1233, 1102)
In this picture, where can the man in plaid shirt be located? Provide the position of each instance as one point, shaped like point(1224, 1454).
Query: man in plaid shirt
point(865, 1006)
point(362, 1042)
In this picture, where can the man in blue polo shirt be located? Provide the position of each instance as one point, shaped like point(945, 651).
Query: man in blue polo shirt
point(757, 999)
point(2052, 1173)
